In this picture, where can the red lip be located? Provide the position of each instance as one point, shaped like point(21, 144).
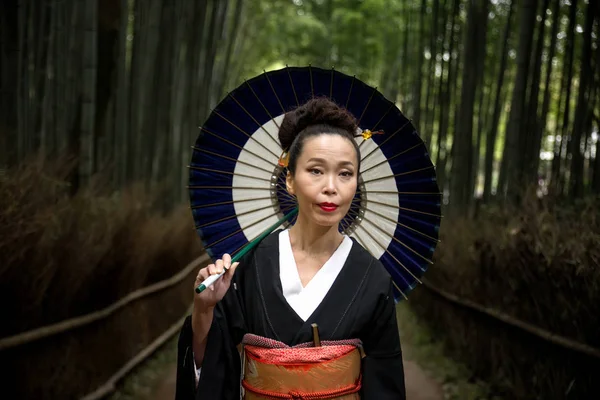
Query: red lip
point(328, 207)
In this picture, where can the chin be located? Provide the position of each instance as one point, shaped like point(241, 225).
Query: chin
point(328, 220)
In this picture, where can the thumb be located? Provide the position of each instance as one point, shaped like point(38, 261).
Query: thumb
point(229, 274)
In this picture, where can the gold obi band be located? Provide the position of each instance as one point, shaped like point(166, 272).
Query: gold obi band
point(273, 370)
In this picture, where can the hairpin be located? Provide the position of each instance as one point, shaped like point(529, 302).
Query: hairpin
point(367, 134)
point(284, 159)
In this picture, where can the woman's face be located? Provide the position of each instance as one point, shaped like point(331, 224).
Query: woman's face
point(325, 179)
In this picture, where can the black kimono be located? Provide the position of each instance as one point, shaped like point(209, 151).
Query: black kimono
point(359, 304)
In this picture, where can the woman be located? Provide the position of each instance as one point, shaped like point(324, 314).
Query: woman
point(309, 274)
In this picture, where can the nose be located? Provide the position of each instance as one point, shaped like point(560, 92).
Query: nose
point(329, 186)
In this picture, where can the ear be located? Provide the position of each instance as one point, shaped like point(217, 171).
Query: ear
point(289, 183)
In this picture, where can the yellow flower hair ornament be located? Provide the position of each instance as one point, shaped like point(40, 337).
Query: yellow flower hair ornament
point(367, 134)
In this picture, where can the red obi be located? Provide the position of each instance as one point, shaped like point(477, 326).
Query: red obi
point(274, 370)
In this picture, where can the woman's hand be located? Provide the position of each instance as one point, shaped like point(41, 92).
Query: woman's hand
point(207, 300)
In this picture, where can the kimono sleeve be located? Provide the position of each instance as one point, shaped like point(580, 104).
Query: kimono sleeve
point(383, 369)
point(221, 368)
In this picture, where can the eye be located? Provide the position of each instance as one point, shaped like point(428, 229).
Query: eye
point(314, 171)
point(347, 174)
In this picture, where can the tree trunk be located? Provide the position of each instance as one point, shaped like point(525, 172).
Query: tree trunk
point(541, 126)
point(462, 152)
point(431, 72)
point(479, 80)
point(583, 102)
point(557, 174)
point(122, 105)
point(494, 124)
point(21, 87)
point(416, 101)
point(405, 66)
point(517, 109)
point(596, 167)
point(444, 98)
point(232, 38)
point(47, 132)
point(88, 116)
point(217, 19)
point(151, 61)
point(9, 53)
point(528, 159)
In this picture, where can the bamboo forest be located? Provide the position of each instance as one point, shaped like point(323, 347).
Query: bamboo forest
point(104, 106)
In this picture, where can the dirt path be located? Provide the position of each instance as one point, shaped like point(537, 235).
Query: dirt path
point(419, 385)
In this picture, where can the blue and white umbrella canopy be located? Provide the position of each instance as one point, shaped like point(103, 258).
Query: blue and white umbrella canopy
point(237, 188)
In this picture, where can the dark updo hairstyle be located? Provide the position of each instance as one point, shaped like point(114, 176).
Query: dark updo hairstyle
point(316, 117)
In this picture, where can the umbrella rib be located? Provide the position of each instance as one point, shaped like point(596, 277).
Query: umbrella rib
point(403, 208)
point(397, 175)
point(404, 226)
point(392, 157)
point(345, 225)
point(399, 193)
point(261, 103)
point(385, 141)
point(375, 126)
point(363, 245)
point(222, 203)
point(367, 106)
point(331, 84)
point(285, 192)
point(408, 247)
point(274, 92)
point(350, 92)
point(231, 159)
point(228, 187)
point(289, 200)
point(235, 145)
point(228, 173)
point(384, 115)
point(221, 138)
point(232, 216)
point(240, 230)
point(387, 251)
point(292, 83)
point(312, 89)
point(255, 121)
point(289, 196)
point(247, 134)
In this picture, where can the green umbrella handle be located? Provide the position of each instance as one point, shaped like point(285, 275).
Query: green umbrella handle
point(211, 279)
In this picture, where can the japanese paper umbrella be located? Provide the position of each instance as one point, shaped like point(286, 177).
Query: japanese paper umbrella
point(237, 187)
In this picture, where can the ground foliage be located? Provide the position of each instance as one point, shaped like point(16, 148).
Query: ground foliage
point(64, 255)
point(538, 263)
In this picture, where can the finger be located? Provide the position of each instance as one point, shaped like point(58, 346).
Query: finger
point(212, 269)
point(229, 274)
point(231, 270)
point(203, 273)
point(226, 261)
point(219, 266)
